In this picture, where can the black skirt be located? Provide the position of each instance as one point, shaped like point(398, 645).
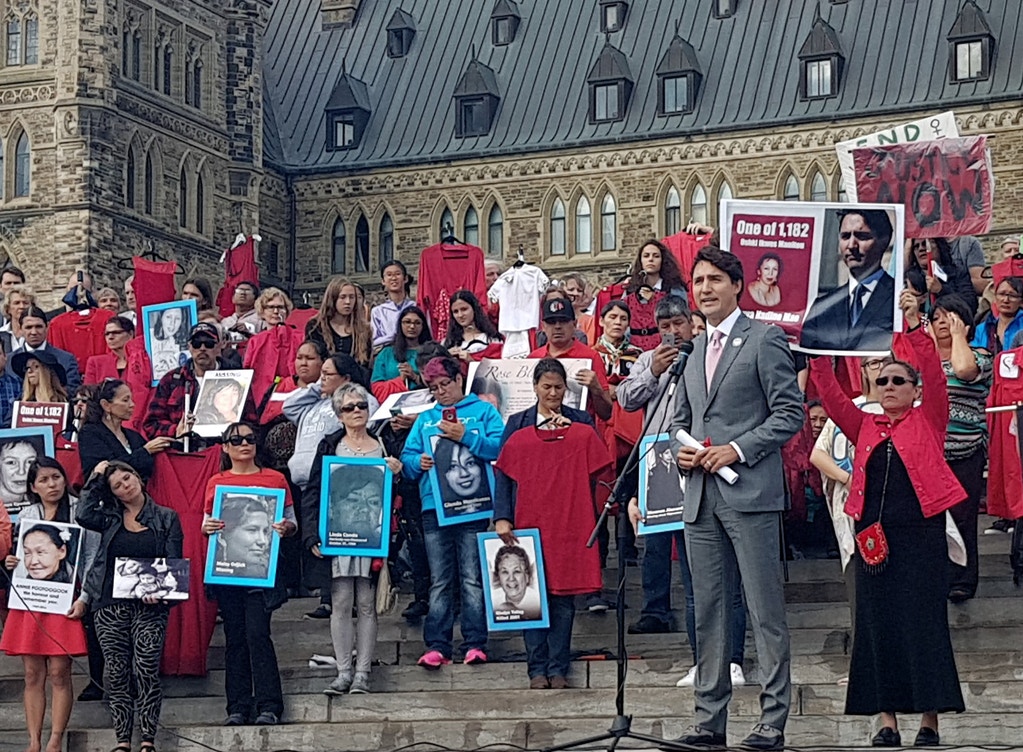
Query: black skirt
point(902, 660)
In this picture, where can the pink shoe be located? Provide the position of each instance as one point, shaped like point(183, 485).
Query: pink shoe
point(475, 656)
point(432, 660)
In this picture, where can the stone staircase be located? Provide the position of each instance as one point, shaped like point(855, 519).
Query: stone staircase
point(468, 707)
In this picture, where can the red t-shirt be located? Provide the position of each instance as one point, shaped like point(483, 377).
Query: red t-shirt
point(80, 333)
point(265, 478)
point(555, 495)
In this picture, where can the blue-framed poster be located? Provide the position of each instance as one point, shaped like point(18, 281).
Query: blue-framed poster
point(245, 551)
point(462, 483)
point(355, 506)
point(166, 327)
point(661, 488)
point(514, 584)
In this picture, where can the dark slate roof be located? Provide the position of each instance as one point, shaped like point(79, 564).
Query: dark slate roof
point(272, 150)
point(477, 79)
point(349, 93)
point(506, 8)
point(896, 61)
point(970, 23)
point(680, 57)
point(611, 65)
point(822, 40)
point(401, 20)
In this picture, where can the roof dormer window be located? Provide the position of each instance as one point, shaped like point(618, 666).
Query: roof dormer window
point(610, 86)
point(477, 97)
point(347, 112)
point(724, 8)
point(504, 22)
point(821, 61)
point(401, 30)
point(971, 43)
point(678, 78)
point(612, 15)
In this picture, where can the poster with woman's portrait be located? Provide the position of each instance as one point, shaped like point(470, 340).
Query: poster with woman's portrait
point(462, 483)
point(245, 551)
point(166, 332)
point(18, 448)
point(166, 579)
point(661, 487)
point(221, 401)
point(355, 506)
point(44, 580)
point(514, 586)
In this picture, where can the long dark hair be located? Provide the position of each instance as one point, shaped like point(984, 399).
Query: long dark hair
point(348, 366)
point(233, 430)
point(671, 272)
point(400, 345)
point(455, 331)
point(944, 259)
point(106, 390)
point(205, 289)
point(48, 463)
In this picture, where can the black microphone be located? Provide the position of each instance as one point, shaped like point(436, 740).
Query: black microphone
point(685, 350)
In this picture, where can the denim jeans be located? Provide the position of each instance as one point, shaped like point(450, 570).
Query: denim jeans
point(549, 651)
point(454, 563)
point(657, 591)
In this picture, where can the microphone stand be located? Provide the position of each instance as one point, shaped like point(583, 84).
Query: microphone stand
point(621, 726)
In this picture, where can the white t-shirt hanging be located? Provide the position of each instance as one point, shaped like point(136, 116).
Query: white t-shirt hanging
point(518, 293)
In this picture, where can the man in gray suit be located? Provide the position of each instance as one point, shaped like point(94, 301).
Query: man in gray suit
point(739, 397)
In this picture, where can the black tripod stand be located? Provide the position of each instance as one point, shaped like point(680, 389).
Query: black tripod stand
point(621, 726)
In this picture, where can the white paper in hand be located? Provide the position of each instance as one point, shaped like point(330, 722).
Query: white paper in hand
point(727, 474)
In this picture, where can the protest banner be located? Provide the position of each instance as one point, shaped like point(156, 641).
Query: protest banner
point(926, 129)
point(508, 384)
point(946, 187)
point(827, 273)
point(40, 414)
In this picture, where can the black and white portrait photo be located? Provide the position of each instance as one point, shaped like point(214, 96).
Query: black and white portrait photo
point(462, 482)
point(166, 579)
point(355, 505)
point(166, 334)
point(661, 489)
point(18, 448)
point(245, 551)
point(513, 581)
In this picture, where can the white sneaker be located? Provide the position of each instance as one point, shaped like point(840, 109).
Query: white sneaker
point(688, 680)
point(738, 678)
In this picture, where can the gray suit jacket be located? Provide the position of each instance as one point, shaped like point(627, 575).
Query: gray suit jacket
point(754, 400)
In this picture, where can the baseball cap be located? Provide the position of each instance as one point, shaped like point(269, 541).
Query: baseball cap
point(205, 327)
point(558, 309)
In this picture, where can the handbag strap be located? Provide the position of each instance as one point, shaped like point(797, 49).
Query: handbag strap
point(884, 487)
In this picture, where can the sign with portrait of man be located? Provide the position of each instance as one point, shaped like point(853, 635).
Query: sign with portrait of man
point(244, 552)
point(829, 274)
point(661, 487)
point(355, 506)
point(18, 448)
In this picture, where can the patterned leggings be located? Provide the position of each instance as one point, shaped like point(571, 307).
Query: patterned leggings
point(131, 635)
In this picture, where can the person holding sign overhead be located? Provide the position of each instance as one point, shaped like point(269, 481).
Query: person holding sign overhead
point(740, 400)
point(859, 315)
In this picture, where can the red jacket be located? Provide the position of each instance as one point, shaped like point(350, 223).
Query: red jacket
point(918, 434)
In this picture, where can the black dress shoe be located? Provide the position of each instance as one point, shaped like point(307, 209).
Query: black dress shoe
point(886, 737)
point(649, 625)
point(764, 737)
point(698, 738)
point(416, 610)
point(927, 737)
point(92, 693)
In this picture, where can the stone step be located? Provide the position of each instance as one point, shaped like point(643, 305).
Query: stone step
point(834, 732)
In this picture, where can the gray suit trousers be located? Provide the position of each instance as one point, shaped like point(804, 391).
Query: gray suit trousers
point(720, 544)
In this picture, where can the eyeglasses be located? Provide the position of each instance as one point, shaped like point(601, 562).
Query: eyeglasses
point(239, 440)
point(1008, 296)
point(275, 308)
point(438, 386)
point(202, 342)
point(896, 380)
point(113, 332)
point(351, 408)
point(874, 365)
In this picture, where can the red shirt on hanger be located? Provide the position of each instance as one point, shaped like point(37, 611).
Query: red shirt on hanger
point(80, 333)
point(444, 269)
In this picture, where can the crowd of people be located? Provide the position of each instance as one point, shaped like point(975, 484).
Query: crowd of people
point(904, 440)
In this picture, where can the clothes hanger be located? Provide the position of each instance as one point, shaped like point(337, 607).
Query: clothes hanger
point(521, 260)
point(150, 254)
point(449, 236)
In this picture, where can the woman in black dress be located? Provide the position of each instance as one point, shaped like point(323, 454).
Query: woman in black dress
point(902, 660)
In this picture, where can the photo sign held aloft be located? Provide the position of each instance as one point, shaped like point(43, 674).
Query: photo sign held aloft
point(930, 128)
point(946, 187)
point(52, 415)
point(355, 506)
point(508, 384)
point(514, 581)
point(244, 552)
point(221, 401)
point(828, 274)
point(44, 579)
point(19, 448)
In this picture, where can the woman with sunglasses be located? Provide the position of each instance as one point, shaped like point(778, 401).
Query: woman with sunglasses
point(104, 436)
point(901, 490)
point(999, 328)
point(352, 578)
point(117, 333)
point(253, 681)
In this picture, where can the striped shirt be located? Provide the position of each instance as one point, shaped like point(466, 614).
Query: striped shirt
point(967, 423)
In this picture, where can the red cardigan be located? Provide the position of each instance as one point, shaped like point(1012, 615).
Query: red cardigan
point(918, 434)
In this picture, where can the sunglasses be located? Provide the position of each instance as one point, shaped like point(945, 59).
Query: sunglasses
point(239, 440)
point(355, 406)
point(202, 342)
point(896, 380)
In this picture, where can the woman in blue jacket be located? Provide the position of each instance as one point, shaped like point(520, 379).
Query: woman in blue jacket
point(451, 549)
